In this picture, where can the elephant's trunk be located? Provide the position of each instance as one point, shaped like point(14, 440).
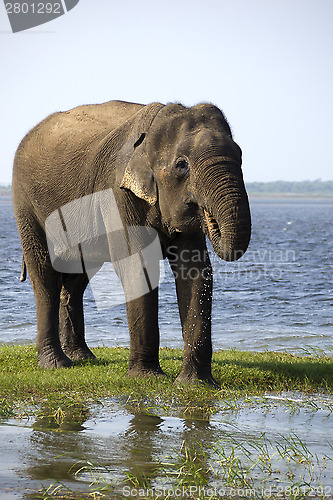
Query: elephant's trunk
point(226, 212)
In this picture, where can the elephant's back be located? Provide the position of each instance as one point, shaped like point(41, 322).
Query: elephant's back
point(94, 120)
point(69, 136)
point(79, 126)
point(55, 157)
point(105, 116)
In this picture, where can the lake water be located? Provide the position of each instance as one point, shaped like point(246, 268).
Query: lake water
point(279, 296)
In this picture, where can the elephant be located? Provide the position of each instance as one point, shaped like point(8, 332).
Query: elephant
point(167, 168)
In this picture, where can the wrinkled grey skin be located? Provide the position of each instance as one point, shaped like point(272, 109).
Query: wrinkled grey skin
point(172, 168)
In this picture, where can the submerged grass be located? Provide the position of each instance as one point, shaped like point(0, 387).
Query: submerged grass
point(231, 468)
point(239, 373)
point(62, 399)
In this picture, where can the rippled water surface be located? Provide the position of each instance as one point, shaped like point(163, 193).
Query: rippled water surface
point(279, 296)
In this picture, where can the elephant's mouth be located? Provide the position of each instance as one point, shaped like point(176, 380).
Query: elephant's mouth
point(222, 245)
point(214, 232)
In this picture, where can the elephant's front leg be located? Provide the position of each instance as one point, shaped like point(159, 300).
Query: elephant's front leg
point(141, 296)
point(142, 317)
point(193, 274)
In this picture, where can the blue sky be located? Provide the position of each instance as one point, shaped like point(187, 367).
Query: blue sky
point(267, 63)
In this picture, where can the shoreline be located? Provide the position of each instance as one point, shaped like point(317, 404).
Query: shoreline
point(286, 196)
point(6, 195)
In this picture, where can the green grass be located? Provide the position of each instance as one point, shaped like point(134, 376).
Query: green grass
point(238, 373)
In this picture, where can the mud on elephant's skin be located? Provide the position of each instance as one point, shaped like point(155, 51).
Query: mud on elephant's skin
point(171, 168)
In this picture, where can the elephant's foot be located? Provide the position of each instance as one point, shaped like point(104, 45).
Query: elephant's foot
point(50, 359)
point(145, 371)
point(78, 353)
point(192, 377)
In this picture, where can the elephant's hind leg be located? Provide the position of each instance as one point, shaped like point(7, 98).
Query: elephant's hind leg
point(71, 319)
point(46, 284)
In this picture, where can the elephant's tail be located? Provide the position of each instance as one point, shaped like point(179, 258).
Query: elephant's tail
point(23, 271)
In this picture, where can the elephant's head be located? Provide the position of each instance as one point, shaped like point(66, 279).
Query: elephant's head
point(187, 163)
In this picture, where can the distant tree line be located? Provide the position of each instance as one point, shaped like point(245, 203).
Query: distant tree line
point(310, 188)
point(5, 190)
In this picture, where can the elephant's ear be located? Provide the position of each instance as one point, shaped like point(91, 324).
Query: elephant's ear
point(138, 176)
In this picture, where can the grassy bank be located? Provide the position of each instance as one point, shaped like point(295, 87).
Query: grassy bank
point(238, 373)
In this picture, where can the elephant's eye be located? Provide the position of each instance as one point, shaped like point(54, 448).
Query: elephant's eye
point(182, 166)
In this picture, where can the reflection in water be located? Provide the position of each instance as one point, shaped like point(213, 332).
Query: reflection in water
point(68, 419)
point(151, 441)
point(126, 447)
point(53, 442)
point(140, 450)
